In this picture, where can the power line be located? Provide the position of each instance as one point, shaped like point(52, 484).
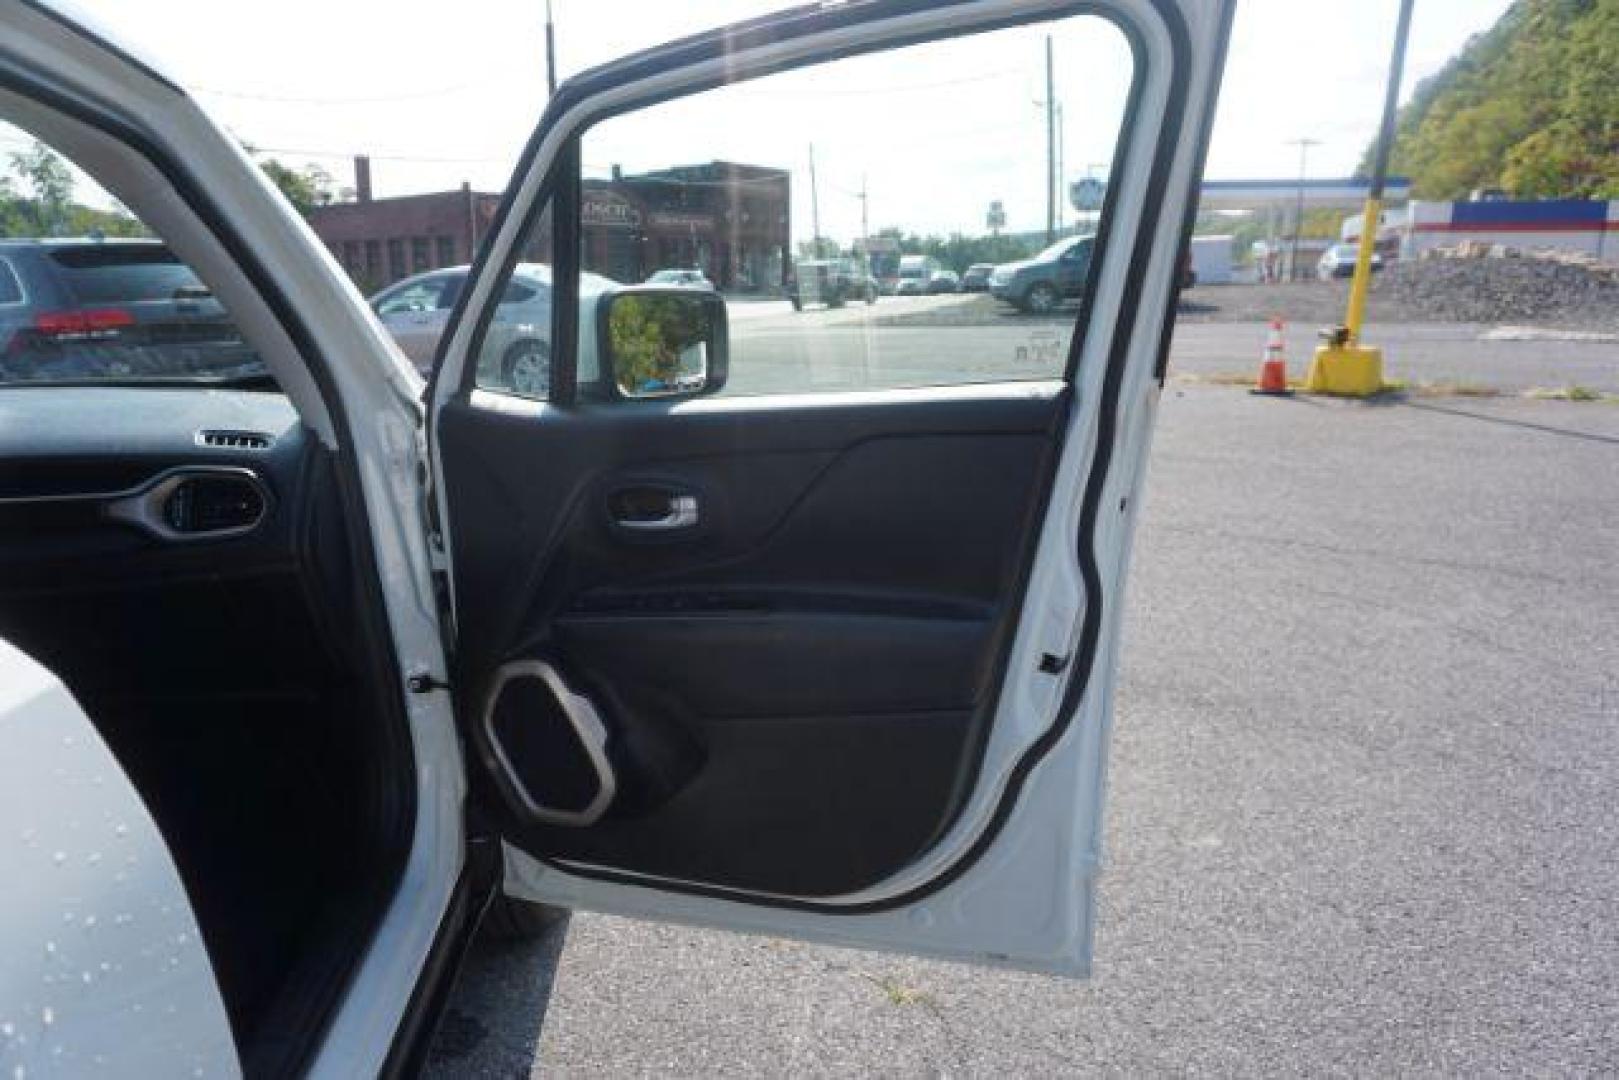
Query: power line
point(378, 99)
point(412, 158)
point(868, 91)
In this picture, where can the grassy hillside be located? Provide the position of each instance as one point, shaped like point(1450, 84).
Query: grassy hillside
point(1531, 105)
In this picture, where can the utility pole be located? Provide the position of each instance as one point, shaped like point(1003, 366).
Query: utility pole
point(865, 228)
point(1051, 148)
point(815, 204)
point(1062, 173)
point(550, 52)
point(1298, 208)
point(1372, 216)
point(1344, 365)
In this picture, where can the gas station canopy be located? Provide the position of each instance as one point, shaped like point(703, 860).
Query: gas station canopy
point(1346, 194)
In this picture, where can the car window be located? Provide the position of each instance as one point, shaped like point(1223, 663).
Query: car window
point(108, 300)
point(451, 293)
point(114, 272)
point(10, 287)
point(416, 296)
point(716, 187)
point(518, 292)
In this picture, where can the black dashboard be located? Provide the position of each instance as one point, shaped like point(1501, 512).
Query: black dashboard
point(148, 534)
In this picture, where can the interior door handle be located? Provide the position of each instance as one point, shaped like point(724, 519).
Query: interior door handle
point(682, 515)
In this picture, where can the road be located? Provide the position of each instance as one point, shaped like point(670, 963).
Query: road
point(1361, 809)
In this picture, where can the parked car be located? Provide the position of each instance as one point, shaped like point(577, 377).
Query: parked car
point(516, 349)
point(1039, 284)
point(307, 681)
point(976, 279)
point(96, 307)
point(1338, 261)
point(915, 274)
point(694, 279)
point(833, 282)
point(944, 281)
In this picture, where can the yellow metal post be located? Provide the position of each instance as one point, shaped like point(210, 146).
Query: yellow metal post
point(1343, 365)
point(1363, 268)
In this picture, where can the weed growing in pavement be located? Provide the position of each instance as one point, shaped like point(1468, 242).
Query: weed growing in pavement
point(898, 993)
point(1572, 392)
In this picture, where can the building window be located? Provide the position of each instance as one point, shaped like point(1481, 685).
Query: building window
point(396, 258)
point(446, 250)
point(421, 257)
point(351, 256)
point(373, 259)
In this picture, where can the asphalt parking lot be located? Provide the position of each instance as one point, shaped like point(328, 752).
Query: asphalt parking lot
point(1361, 812)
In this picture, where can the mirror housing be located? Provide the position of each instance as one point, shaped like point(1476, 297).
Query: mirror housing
point(659, 342)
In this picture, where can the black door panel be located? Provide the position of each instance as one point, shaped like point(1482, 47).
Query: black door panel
point(812, 658)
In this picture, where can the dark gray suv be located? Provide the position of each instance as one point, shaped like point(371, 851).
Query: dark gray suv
point(1039, 284)
point(128, 310)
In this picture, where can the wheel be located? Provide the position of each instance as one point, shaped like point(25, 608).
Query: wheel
point(1041, 298)
point(798, 305)
point(526, 368)
point(511, 919)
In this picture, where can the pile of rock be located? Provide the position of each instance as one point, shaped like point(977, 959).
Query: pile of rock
point(1491, 284)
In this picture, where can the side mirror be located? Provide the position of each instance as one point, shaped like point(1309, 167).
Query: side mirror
point(659, 342)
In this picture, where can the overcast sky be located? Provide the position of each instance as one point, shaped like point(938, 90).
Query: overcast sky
point(445, 92)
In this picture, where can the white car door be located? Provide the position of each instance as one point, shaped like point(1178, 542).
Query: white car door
point(104, 967)
point(813, 635)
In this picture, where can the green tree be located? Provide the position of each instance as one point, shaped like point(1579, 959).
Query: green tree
point(49, 182)
point(648, 335)
point(1531, 106)
point(305, 188)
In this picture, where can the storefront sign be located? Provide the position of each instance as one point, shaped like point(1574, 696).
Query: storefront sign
point(681, 221)
point(606, 210)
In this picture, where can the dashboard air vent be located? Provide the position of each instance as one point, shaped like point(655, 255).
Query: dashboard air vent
point(234, 440)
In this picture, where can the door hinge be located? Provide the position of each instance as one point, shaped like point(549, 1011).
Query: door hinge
point(423, 682)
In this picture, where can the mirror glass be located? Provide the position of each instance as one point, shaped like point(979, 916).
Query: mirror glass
point(660, 344)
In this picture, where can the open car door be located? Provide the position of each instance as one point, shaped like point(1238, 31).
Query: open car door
point(807, 623)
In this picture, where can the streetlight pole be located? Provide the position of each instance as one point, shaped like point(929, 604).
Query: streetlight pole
point(1298, 208)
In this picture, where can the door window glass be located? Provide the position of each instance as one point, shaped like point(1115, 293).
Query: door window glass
point(837, 207)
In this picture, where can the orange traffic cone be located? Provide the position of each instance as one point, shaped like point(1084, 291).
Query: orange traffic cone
point(1273, 366)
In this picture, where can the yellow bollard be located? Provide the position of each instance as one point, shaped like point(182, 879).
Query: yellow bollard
point(1346, 370)
point(1343, 365)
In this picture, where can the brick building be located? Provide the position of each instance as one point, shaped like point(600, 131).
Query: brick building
point(731, 221)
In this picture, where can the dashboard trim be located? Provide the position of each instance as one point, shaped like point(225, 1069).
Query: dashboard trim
point(142, 504)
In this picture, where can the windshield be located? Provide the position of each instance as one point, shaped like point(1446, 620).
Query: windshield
point(1057, 250)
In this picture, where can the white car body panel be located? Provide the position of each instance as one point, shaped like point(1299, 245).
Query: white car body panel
point(372, 382)
point(1028, 902)
point(103, 966)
